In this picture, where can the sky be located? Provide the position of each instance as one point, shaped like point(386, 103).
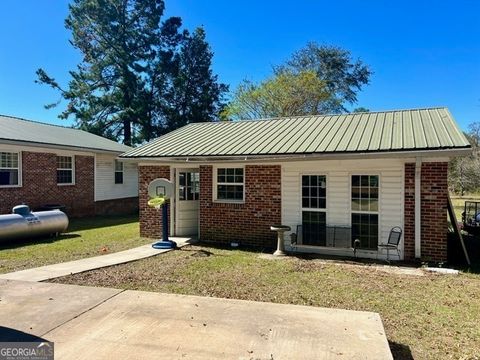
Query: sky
point(423, 53)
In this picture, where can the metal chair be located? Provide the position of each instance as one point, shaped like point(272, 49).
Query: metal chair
point(392, 243)
point(295, 238)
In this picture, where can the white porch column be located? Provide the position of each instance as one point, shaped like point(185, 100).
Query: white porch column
point(418, 207)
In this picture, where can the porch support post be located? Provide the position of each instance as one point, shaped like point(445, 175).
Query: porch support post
point(418, 207)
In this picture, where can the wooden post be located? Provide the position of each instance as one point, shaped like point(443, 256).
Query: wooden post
point(456, 230)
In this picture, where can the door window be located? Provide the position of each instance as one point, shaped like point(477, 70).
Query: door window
point(189, 186)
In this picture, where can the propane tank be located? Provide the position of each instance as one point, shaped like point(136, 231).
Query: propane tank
point(23, 223)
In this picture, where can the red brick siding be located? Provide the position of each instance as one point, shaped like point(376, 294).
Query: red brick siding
point(150, 218)
point(434, 211)
point(39, 185)
point(434, 192)
point(247, 223)
point(409, 212)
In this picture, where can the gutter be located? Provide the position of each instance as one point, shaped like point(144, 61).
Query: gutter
point(418, 208)
point(300, 157)
point(58, 146)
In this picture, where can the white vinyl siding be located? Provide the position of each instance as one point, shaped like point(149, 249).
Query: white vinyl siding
point(339, 174)
point(105, 187)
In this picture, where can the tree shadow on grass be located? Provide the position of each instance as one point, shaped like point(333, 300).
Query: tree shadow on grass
point(400, 351)
point(13, 335)
point(15, 243)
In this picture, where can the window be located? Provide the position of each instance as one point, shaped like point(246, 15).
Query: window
point(365, 189)
point(189, 185)
point(9, 169)
point(118, 172)
point(64, 170)
point(230, 184)
point(314, 203)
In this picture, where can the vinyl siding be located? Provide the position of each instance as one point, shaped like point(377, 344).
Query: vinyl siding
point(105, 187)
point(339, 192)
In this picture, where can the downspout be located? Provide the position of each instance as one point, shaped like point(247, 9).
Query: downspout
point(418, 207)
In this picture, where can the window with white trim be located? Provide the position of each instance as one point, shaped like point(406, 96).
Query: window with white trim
point(314, 204)
point(9, 169)
point(365, 190)
point(230, 184)
point(65, 167)
point(118, 172)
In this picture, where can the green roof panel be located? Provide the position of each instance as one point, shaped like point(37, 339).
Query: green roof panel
point(20, 130)
point(388, 131)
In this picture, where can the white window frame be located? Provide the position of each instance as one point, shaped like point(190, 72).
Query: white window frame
point(302, 209)
point(216, 183)
point(19, 169)
point(378, 212)
point(72, 157)
point(115, 162)
point(326, 193)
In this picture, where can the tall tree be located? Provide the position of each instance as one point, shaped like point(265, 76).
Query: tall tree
point(315, 80)
point(343, 75)
point(130, 59)
point(284, 94)
point(195, 94)
point(463, 171)
point(360, 109)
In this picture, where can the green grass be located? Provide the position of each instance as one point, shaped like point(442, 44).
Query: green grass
point(458, 203)
point(85, 238)
point(429, 317)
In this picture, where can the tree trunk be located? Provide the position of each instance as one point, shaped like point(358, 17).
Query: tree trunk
point(127, 132)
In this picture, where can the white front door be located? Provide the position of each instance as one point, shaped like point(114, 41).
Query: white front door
point(187, 204)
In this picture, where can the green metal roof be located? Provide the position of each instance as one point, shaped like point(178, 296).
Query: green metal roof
point(388, 131)
point(20, 130)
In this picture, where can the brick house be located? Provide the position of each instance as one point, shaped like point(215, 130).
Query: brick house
point(42, 164)
point(332, 179)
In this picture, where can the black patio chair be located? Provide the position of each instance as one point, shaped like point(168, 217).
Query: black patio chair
point(393, 242)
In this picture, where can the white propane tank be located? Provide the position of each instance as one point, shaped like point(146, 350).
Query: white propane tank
point(24, 223)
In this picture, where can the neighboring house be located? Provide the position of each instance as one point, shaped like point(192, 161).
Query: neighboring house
point(42, 164)
point(359, 174)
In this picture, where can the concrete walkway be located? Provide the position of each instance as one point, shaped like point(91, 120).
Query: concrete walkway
point(48, 272)
point(102, 323)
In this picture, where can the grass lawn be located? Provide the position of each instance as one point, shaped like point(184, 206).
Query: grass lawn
point(85, 238)
point(458, 203)
point(429, 317)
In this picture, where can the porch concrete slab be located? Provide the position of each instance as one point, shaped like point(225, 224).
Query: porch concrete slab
point(98, 323)
point(36, 308)
point(48, 272)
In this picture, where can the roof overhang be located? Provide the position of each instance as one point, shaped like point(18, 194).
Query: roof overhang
point(57, 146)
point(453, 152)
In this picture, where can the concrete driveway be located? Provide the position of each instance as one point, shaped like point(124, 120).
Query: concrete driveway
point(101, 323)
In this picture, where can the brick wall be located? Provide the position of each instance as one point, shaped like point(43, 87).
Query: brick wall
point(409, 212)
point(123, 206)
point(39, 185)
point(247, 223)
point(150, 218)
point(434, 192)
point(434, 211)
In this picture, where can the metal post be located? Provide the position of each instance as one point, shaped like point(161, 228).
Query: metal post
point(165, 221)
